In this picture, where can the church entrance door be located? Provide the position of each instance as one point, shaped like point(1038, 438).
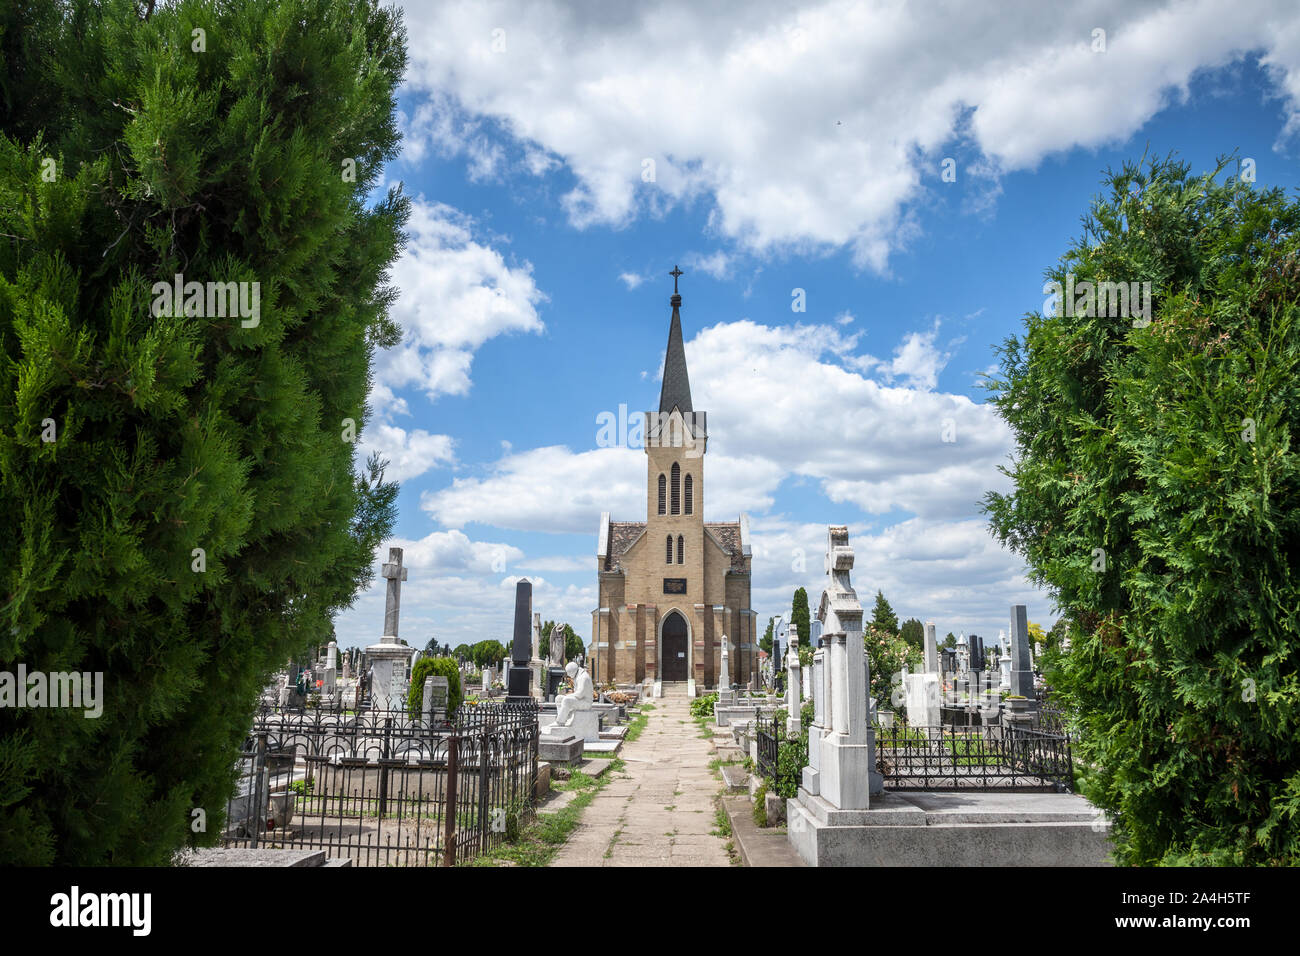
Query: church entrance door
point(673, 647)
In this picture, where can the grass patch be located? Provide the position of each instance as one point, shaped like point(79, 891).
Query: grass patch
point(540, 840)
point(721, 823)
point(577, 781)
point(634, 728)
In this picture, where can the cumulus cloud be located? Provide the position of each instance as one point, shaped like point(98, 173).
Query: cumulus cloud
point(950, 572)
point(816, 127)
point(408, 453)
point(882, 448)
point(456, 293)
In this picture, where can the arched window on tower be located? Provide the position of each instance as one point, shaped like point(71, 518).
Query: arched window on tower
point(668, 555)
point(690, 493)
point(663, 493)
point(677, 488)
point(679, 550)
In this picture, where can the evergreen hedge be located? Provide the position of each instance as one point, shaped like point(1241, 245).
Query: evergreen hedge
point(1157, 486)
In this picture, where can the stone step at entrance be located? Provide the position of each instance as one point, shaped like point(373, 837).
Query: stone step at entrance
point(674, 688)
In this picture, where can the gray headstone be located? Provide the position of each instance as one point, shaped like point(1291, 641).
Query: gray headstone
point(438, 692)
point(1022, 666)
point(931, 650)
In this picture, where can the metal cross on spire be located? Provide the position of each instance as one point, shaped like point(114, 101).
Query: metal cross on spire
point(675, 273)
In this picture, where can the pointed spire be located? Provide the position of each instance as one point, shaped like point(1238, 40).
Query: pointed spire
point(676, 391)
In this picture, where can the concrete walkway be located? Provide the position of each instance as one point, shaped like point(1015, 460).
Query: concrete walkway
point(660, 811)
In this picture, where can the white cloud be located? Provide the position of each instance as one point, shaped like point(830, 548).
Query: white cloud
point(818, 127)
point(631, 279)
point(796, 397)
point(951, 572)
point(546, 489)
point(409, 453)
point(784, 403)
point(717, 264)
point(917, 363)
point(456, 294)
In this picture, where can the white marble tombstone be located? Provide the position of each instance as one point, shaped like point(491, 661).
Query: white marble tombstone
point(793, 683)
point(330, 676)
point(847, 759)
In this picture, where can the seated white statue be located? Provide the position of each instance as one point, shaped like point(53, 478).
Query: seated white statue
point(580, 699)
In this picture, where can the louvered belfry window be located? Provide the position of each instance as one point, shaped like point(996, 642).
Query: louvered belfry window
point(677, 488)
point(668, 556)
point(680, 559)
point(690, 493)
point(663, 493)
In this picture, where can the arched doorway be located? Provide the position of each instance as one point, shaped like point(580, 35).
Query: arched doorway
point(673, 648)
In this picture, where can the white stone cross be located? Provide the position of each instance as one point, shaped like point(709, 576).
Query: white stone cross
point(395, 574)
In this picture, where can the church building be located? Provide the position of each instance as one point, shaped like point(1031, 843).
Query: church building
point(674, 586)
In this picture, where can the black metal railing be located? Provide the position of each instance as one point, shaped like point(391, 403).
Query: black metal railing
point(769, 746)
point(382, 789)
point(976, 758)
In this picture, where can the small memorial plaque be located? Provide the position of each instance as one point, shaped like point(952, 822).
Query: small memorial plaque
point(674, 585)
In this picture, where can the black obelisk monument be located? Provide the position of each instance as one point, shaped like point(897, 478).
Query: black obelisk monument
point(518, 676)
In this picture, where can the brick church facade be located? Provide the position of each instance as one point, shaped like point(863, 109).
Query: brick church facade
point(672, 586)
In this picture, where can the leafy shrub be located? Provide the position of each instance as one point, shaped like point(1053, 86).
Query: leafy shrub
point(791, 758)
point(760, 804)
point(703, 706)
point(887, 653)
point(437, 667)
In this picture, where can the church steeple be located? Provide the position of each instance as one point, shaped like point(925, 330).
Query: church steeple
point(676, 391)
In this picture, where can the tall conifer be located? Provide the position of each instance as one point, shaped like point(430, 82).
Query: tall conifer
point(180, 508)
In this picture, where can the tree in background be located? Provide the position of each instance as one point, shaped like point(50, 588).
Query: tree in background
point(950, 641)
point(1157, 495)
point(883, 618)
point(434, 667)
point(1037, 636)
point(887, 652)
point(765, 642)
point(913, 631)
point(802, 619)
point(573, 645)
point(488, 653)
point(1058, 632)
point(181, 508)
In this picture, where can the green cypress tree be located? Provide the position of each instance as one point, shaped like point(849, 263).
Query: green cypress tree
point(802, 618)
point(883, 618)
point(1157, 486)
point(913, 631)
point(179, 505)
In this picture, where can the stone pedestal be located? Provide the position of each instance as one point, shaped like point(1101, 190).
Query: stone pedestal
point(585, 724)
point(560, 748)
point(389, 663)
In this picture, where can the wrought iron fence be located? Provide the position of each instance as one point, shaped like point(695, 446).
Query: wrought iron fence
point(976, 758)
point(769, 746)
point(382, 789)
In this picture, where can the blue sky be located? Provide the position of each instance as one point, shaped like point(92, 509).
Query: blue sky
point(798, 149)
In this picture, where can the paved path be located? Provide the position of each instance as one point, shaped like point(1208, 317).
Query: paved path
point(660, 811)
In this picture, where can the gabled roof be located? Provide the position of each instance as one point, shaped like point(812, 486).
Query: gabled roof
point(622, 535)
